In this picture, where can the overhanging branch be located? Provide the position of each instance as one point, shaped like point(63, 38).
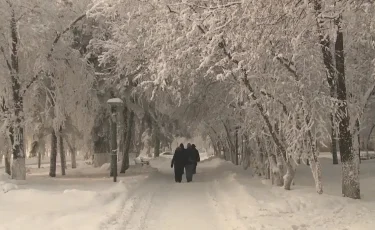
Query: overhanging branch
point(55, 41)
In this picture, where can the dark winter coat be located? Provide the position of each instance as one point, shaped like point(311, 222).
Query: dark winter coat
point(197, 158)
point(189, 156)
point(179, 159)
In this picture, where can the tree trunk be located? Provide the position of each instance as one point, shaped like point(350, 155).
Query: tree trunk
point(73, 152)
point(263, 155)
point(214, 146)
point(350, 161)
point(325, 45)
point(289, 175)
point(101, 135)
point(156, 138)
point(17, 129)
point(236, 145)
point(316, 171)
point(231, 147)
point(141, 130)
point(125, 158)
point(7, 163)
point(246, 156)
point(53, 154)
point(276, 175)
point(242, 148)
point(39, 159)
point(359, 139)
point(73, 155)
point(335, 159)
point(62, 154)
point(268, 169)
point(19, 161)
point(73, 158)
point(368, 142)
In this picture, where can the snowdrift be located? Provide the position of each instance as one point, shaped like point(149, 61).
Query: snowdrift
point(267, 206)
point(6, 184)
point(67, 209)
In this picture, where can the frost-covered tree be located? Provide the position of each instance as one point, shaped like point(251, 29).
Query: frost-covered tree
point(30, 36)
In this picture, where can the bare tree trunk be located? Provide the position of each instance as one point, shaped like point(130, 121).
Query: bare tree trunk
point(125, 159)
point(289, 175)
point(142, 129)
point(359, 140)
point(316, 171)
point(73, 158)
point(73, 151)
point(53, 155)
point(368, 142)
point(73, 154)
point(335, 159)
point(315, 164)
point(156, 138)
point(17, 129)
point(246, 155)
point(275, 170)
point(236, 145)
point(7, 163)
point(268, 169)
point(62, 154)
point(263, 158)
point(39, 159)
point(231, 147)
point(101, 133)
point(325, 44)
point(350, 162)
point(214, 145)
point(242, 149)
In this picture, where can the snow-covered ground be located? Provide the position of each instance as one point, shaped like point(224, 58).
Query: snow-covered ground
point(222, 196)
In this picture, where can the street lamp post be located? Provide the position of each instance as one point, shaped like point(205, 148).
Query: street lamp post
point(114, 103)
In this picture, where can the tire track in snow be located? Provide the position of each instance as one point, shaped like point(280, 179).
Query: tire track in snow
point(128, 200)
point(134, 211)
point(183, 206)
point(229, 212)
point(134, 215)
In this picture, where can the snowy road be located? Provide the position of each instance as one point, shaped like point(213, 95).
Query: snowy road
point(218, 200)
point(222, 197)
point(159, 203)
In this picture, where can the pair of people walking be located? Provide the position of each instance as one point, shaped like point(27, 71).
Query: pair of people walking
point(185, 158)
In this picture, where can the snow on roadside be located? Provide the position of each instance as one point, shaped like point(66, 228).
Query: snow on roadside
point(5, 183)
point(264, 206)
point(86, 198)
point(68, 209)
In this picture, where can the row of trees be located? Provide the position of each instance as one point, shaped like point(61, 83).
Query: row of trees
point(54, 88)
point(277, 74)
point(268, 79)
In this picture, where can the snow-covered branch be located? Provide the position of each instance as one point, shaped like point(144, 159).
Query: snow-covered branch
point(55, 41)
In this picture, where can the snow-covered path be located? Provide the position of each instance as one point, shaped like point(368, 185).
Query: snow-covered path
point(218, 200)
point(159, 203)
point(222, 197)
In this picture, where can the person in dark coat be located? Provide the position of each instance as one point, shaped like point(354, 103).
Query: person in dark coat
point(178, 161)
point(197, 158)
point(189, 163)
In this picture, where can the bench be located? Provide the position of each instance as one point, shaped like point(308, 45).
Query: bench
point(142, 162)
point(145, 162)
